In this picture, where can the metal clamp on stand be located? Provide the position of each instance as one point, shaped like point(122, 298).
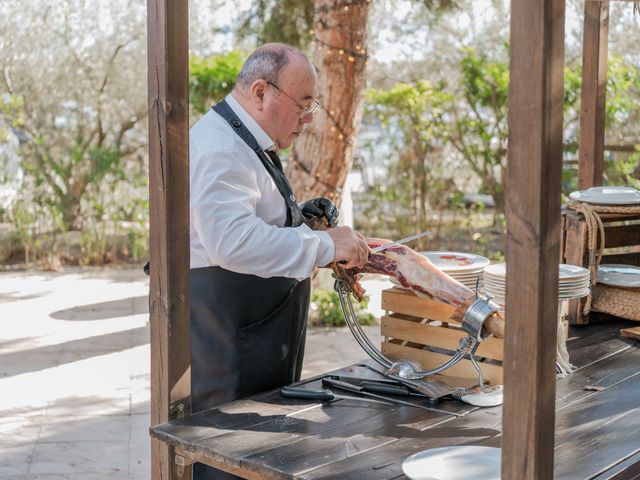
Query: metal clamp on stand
point(472, 322)
point(475, 316)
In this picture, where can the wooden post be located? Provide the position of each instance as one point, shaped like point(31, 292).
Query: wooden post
point(168, 54)
point(594, 83)
point(533, 237)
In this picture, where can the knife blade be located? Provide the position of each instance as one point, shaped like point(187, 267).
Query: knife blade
point(401, 241)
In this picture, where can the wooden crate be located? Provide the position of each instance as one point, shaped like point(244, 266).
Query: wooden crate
point(621, 230)
point(412, 323)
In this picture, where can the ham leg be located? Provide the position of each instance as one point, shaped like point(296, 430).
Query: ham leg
point(416, 272)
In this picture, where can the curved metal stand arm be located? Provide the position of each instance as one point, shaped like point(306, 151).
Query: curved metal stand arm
point(472, 323)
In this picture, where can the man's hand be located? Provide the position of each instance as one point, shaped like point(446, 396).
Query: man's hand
point(351, 247)
point(320, 207)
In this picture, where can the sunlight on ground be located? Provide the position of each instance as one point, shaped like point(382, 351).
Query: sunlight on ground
point(74, 372)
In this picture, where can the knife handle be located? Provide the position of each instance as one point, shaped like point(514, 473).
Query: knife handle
point(305, 393)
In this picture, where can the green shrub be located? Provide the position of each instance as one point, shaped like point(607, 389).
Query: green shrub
point(325, 310)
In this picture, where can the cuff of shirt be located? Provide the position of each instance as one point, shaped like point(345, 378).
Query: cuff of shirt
point(326, 249)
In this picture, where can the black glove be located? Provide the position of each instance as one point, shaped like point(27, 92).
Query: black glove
point(319, 208)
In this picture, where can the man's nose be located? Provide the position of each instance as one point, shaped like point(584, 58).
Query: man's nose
point(308, 118)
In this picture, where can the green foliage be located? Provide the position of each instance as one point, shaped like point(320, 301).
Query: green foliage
point(325, 310)
point(623, 90)
point(624, 170)
point(11, 114)
point(417, 184)
point(479, 131)
point(65, 178)
point(287, 21)
point(211, 79)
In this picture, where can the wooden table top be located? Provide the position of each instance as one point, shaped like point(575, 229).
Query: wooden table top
point(268, 436)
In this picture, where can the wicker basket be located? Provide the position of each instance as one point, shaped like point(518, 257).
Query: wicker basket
point(621, 302)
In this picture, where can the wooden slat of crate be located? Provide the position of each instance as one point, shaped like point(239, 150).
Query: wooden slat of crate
point(413, 322)
point(622, 235)
point(403, 301)
point(492, 373)
point(410, 329)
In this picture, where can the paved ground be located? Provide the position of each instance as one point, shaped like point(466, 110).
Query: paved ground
point(74, 373)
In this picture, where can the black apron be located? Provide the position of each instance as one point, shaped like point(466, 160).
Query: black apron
point(247, 332)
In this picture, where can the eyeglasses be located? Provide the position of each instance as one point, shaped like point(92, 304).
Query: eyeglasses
point(304, 111)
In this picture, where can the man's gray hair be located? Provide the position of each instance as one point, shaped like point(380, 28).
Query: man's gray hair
point(266, 63)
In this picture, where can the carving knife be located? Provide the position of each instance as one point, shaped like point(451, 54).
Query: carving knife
point(401, 241)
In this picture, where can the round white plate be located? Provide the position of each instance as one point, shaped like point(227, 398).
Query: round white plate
point(456, 261)
point(468, 276)
point(454, 463)
point(581, 293)
point(497, 270)
point(571, 272)
point(488, 396)
point(610, 195)
point(618, 275)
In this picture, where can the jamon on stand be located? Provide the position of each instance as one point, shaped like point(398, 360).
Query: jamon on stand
point(416, 272)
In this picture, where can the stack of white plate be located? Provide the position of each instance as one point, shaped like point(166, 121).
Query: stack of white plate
point(464, 267)
point(573, 282)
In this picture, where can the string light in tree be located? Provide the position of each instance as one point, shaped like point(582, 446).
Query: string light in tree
point(332, 190)
point(349, 54)
point(360, 53)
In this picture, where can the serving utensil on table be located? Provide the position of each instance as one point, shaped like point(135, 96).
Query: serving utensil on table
point(324, 395)
point(333, 382)
point(479, 396)
point(429, 386)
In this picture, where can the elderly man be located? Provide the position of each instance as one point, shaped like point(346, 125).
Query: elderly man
point(252, 252)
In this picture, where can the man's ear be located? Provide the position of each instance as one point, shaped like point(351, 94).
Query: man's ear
point(257, 91)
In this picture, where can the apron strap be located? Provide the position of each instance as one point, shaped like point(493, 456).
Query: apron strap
point(294, 214)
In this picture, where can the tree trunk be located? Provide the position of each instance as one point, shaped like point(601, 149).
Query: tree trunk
point(321, 159)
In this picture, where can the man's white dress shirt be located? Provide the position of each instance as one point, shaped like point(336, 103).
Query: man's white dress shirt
point(237, 212)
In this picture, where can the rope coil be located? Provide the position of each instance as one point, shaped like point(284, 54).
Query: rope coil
point(596, 237)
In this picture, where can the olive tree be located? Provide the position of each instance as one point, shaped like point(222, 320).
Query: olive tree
point(76, 74)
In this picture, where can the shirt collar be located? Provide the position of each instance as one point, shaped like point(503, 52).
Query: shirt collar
point(263, 139)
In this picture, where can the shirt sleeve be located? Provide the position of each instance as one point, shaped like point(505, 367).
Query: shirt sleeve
point(224, 196)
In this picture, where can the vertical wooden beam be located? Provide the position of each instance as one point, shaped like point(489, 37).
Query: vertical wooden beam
point(593, 96)
point(533, 237)
point(167, 43)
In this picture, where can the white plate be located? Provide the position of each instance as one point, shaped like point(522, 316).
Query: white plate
point(571, 272)
point(489, 396)
point(618, 275)
point(581, 293)
point(454, 463)
point(610, 195)
point(497, 270)
point(500, 294)
point(456, 261)
point(468, 276)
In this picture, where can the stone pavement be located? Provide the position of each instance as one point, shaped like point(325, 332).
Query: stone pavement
point(74, 372)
